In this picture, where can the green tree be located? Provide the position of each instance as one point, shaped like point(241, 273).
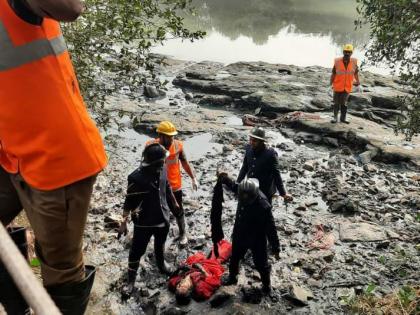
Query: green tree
point(110, 46)
point(395, 40)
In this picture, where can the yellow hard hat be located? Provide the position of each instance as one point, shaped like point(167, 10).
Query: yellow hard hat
point(348, 47)
point(166, 128)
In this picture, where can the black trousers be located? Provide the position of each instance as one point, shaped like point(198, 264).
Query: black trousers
point(259, 256)
point(141, 239)
point(340, 104)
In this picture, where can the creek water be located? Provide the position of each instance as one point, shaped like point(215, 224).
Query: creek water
point(298, 32)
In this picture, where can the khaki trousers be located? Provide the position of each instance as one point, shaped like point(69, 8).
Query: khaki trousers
point(58, 219)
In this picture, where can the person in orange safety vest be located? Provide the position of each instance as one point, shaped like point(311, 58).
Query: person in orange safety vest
point(345, 74)
point(50, 149)
point(177, 157)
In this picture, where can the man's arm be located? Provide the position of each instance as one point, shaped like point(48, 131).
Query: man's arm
point(60, 10)
point(187, 167)
point(244, 169)
point(277, 176)
point(332, 78)
point(133, 198)
point(356, 76)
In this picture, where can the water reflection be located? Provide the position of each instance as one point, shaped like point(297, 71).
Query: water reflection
point(260, 19)
point(300, 32)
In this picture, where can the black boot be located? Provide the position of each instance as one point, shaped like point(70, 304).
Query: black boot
point(230, 279)
point(343, 114)
point(73, 298)
point(183, 239)
point(10, 297)
point(160, 260)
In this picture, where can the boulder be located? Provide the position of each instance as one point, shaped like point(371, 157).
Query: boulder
point(362, 232)
point(299, 295)
point(151, 91)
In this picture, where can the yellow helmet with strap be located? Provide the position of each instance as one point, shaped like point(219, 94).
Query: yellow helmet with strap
point(166, 128)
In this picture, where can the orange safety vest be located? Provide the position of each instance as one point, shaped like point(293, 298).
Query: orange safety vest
point(344, 77)
point(172, 163)
point(46, 133)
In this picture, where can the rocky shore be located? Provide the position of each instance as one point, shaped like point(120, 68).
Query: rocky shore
point(355, 218)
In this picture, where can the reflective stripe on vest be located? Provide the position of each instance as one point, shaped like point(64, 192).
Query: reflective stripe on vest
point(46, 133)
point(172, 164)
point(175, 159)
point(12, 56)
point(343, 81)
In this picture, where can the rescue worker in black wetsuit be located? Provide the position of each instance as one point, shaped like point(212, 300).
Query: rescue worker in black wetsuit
point(254, 223)
point(261, 162)
point(146, 201)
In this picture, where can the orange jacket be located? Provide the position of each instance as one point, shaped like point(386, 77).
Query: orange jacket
point(344, 77)
point(46, 133)
point(172, 163)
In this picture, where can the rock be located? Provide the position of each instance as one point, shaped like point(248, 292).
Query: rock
point(309, 166)
point(311, 203)
point(112, 222)
point(299, 295)
point(362, 232)
point(251, 295)
point(370, 168)
point(333, 142)
point(151, 91)
point(344, 295)
point(215, 100)
point(344, 206)
point(368, 155)
point(189, 96)
point(174, 311)
point(284, 147)
point(222, 296)
point(314, 283)
point(301, 207)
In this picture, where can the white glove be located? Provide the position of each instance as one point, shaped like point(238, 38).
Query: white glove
point(194, 184)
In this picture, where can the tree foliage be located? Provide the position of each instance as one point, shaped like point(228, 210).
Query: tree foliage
point(395, 40)
point(110, 46)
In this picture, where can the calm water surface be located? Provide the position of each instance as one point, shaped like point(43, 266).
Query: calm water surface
point(299, 32)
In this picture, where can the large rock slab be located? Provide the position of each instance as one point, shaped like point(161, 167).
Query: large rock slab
point(361, 132)
point(362, 232)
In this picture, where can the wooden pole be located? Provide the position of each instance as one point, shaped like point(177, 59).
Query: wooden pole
point(29, 286)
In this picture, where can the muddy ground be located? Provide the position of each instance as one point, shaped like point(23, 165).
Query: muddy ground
point(353, 222)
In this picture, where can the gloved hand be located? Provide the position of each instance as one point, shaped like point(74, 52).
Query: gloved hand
point(195, 184)
point(122, 229)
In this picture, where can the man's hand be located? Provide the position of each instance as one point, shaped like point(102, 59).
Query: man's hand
point(60, 10)
point(287, 198)
point(194, 184)
point(123, 228)
point(357, 83)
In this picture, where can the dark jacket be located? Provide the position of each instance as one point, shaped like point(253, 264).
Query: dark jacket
point(146, 197)
point(254, 223)
point(264, 166)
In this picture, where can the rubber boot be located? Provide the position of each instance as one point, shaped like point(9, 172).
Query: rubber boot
point(73, 298)
point(10, 297)
point(230, 279)
point(343, 114)
point(335, 119)
point(162, 265)
point(183, 239)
